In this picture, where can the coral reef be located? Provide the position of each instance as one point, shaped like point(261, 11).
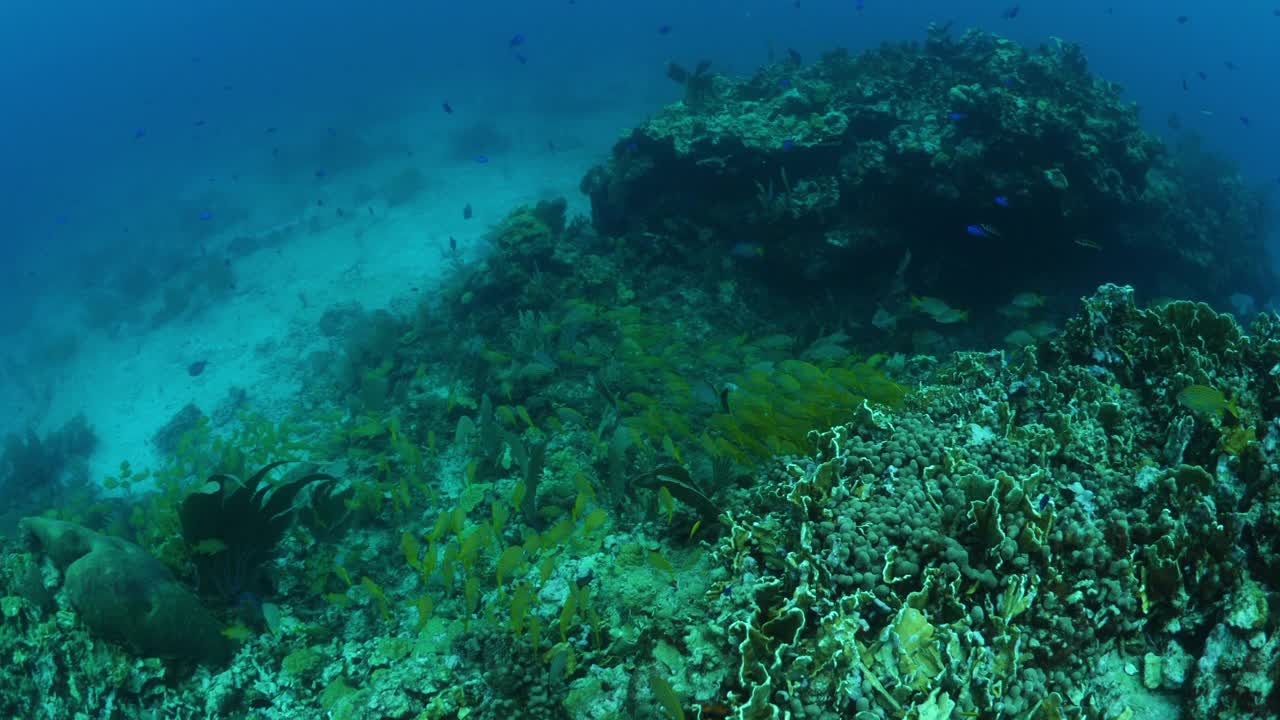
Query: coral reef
point(655, 465)
point(37, 472)
point(833, 170)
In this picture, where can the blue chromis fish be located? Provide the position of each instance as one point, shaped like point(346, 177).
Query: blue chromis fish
point(516, 40)
point(982, 231)
point(1001, 200)
point(747, 250)
point(1206, 400)
point(938, 309)
point(956, 115)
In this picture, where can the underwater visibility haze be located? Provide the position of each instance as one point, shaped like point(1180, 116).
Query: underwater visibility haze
point(786, 359)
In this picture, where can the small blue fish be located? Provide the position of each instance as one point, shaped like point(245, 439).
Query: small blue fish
point(1244, 120)
point(1182, 19)
point(784, 83)
point(516, 40)
point(747, 250)
point(664, 29)
point(482, 159)
point(1007, 82)
point(139, 133)
point(522, 59)
point(954, 115)
point(206, 216)
point(858, 6)
point(447, 108)
point(788, 144)
point(320, 174)
point(1011, 13)
point(632, 147)
point(982, 231)
point(1001, 200)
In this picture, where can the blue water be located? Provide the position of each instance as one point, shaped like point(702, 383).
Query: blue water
point(189, 187)
point(133, 125)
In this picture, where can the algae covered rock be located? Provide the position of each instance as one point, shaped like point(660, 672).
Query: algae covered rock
point(998, 166)
point(124, 595)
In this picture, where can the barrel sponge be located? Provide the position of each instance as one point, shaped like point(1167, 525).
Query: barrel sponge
point(124, 595)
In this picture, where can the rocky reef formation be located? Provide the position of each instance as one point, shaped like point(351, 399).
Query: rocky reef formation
point(997, 167)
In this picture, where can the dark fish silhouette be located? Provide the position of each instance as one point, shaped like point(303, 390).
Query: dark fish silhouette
point(466, 212)
point(447, 107)
point(197, 367)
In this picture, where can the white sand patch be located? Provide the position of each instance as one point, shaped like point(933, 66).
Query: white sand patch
point(131, 385)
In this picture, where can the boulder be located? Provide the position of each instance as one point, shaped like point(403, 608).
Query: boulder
point(125, 595)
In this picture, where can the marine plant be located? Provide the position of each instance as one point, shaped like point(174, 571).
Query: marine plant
point(232, 525)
